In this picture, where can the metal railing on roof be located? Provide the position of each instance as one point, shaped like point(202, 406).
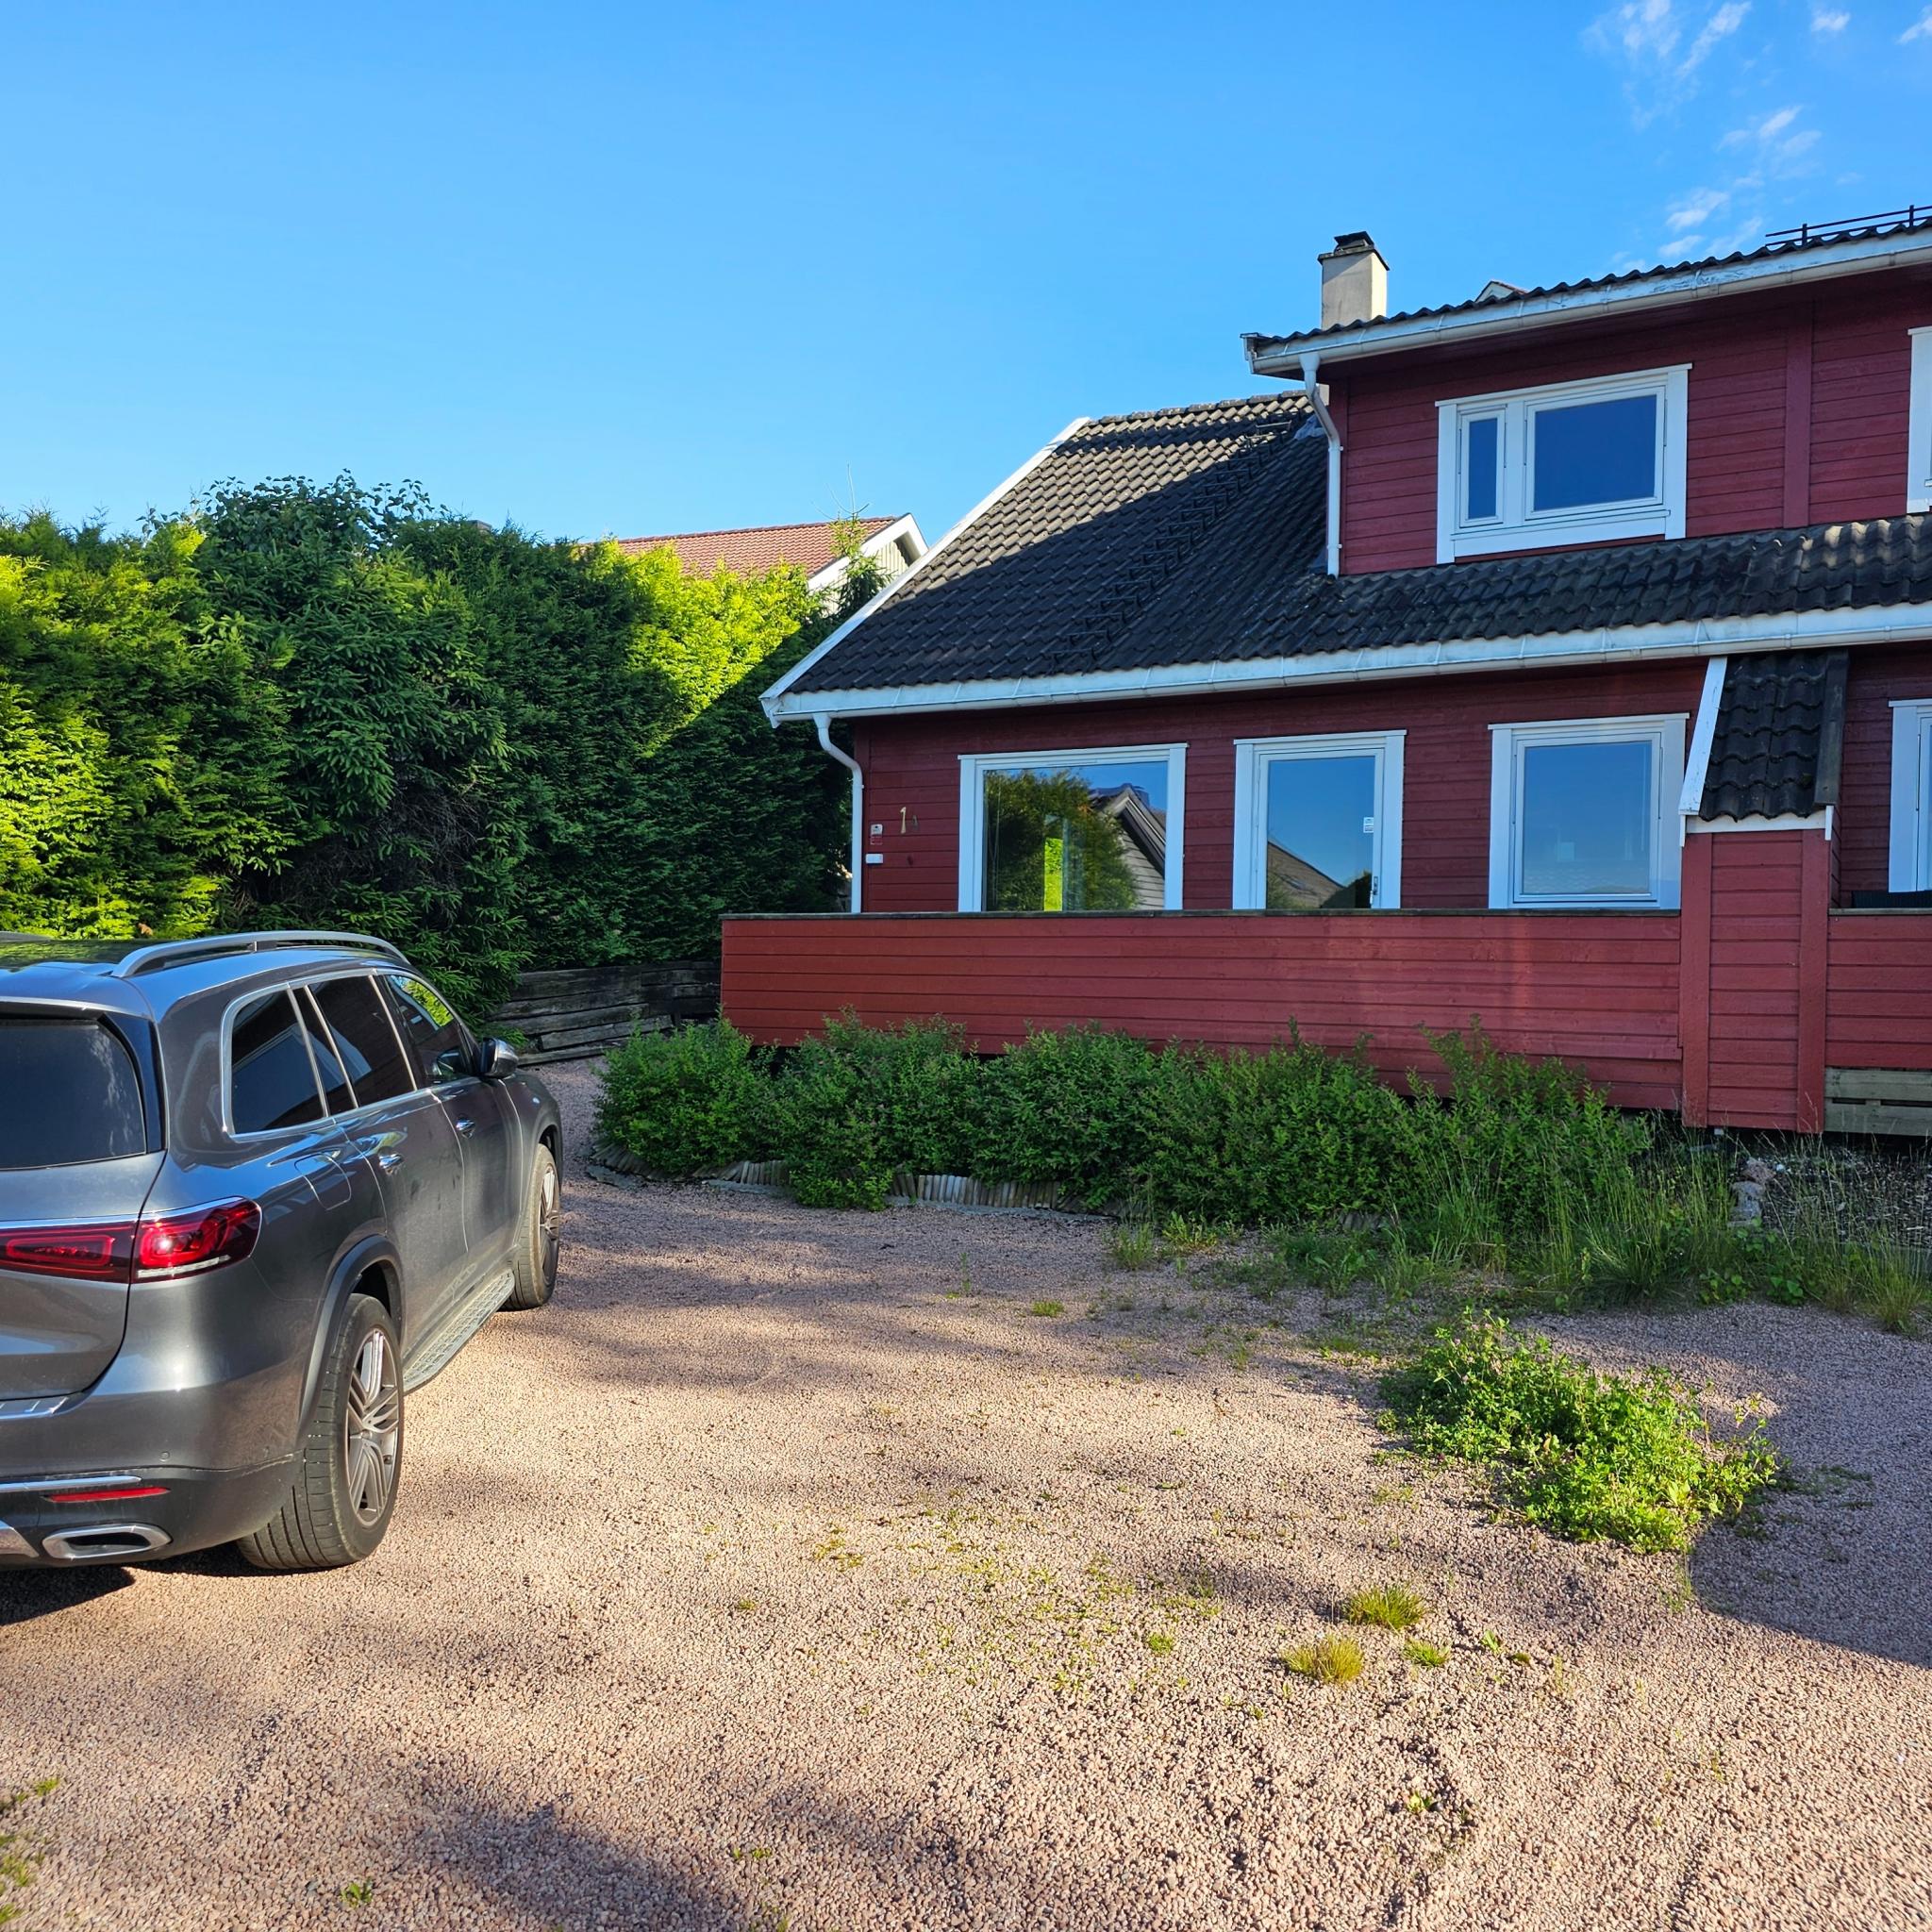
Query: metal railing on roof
point(176, 952)
point(1913, 215)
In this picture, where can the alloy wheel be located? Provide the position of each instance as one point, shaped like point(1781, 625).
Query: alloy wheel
point(371, 1428)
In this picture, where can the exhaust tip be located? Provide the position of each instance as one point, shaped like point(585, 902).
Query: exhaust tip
point(108, 1542)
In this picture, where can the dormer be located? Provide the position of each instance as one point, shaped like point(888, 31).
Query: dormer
point(1780, 389)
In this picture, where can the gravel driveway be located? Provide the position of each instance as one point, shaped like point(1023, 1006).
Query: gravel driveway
point(793, 1571)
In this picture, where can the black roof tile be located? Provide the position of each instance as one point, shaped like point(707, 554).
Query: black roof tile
point(1780, 732)
point(1194, 536)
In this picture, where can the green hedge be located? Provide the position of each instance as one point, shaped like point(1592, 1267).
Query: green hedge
point(310, 704)
point(1293, 1135)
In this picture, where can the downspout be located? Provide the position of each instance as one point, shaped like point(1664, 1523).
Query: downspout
point(823, 720)
point(1311, 360)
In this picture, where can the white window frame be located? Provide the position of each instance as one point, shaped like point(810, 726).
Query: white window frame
point(1507, 744)
point(1919, 453)
point(1252, 758)
point(1515, 526)
point(974, 766)
point(1910, 869)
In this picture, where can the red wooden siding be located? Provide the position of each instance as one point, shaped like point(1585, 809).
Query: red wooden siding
point(1599, 990)
point(912, 768)
point(1878, 1003)
point(1797, 412)
point(1864, 816)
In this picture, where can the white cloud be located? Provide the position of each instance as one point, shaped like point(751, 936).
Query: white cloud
point(1719, 27)
point(1830, 20)
point(1920, 29)
point(1648, 39)
point(1693, 211)
point(1779, 144)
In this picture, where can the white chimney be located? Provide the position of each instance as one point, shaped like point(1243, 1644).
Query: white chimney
point(1354, 281)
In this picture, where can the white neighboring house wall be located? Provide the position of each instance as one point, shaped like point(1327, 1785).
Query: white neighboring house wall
point(898, 548)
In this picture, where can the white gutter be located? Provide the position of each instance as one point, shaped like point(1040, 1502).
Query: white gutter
point(824, 722)
point(1626, 645)
point(1311, 361)
point(1535, 312)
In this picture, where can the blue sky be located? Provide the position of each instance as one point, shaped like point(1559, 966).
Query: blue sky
point(621, 268)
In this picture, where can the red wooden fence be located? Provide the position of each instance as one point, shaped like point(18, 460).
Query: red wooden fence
point(1598, 989)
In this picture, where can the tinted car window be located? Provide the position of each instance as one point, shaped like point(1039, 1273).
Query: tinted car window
point(338, 1095)
point(85, 1092)
point(370, 1048)
point(438, 1040)
point(271, 1080)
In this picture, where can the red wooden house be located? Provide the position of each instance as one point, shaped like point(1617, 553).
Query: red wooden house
point(1560, 657)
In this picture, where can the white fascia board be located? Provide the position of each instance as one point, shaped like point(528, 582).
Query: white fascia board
point(779, 707)
point(1710, 637)
point(1784, 822)
point(1697, 760)
point(1539, 312)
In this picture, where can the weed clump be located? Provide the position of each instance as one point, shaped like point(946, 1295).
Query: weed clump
point(1586, 1455)
point(1330, 1660)
point(1389, 1606)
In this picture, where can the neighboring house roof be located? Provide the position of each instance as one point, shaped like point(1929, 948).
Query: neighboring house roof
point(1499, 307)
point(807, 546)
point(1780, 736)
point(1181, 550)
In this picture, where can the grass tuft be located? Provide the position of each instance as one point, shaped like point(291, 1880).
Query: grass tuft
point(1329, 1659)
point(1389, 1606)
point(1430, 1657)
point(1047, 1309)
point(1130, 1246)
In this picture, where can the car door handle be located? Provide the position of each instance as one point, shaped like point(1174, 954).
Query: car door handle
point(388, 1162)
point(466, 1128)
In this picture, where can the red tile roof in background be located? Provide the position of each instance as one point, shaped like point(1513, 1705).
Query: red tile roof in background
point(807, 545)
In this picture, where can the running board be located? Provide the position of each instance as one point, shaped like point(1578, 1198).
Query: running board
point(437, 1349)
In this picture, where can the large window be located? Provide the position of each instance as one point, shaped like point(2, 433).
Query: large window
point(75, 1094)
point(1076, 831)
point(1579, 812)
point(271, 1067)
point(1573, 462)
point(1919, 465)
point(1911, 796)
point(1317, 823)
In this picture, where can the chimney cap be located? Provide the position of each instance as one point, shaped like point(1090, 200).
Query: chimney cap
point(1357, 241)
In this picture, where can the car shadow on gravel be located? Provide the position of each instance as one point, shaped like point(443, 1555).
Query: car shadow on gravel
point(27, 1595)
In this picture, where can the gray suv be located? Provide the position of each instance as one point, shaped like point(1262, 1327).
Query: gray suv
point(252, 1191)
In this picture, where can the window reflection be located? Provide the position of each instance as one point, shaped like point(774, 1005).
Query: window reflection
point(1590, 453)
point(1076, 838)
point(1588, 819)
point(1321, 833)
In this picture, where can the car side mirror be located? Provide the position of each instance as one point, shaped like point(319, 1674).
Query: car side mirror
point(496, 1060)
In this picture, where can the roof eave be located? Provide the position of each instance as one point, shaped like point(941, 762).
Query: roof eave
point(1618, 644)
point(1282, 356)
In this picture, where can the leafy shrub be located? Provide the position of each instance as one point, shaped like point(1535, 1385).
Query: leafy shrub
point(1530, 1141)
point(1584, 1454)
point(1070, 1108)
point(860, 1102)
point(1292, 1134)
point(689, 1099)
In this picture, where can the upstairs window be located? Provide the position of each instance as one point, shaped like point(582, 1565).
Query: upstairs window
point(1910, 869)
point(1919, 468)
point(1575, 462)
point(1088, 831)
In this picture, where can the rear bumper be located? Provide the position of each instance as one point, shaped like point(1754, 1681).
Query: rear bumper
point(186, 1509)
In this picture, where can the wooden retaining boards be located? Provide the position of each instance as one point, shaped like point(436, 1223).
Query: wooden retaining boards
point(573, 1013)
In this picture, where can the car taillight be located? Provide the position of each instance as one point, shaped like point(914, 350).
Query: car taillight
point(200, 1239)
point(103, 1252)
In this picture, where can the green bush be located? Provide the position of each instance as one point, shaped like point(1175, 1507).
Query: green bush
point(1070, 1108)
point(1584, 1454)
point(1518, 1144)
point(861, 1103)
point(687, 1101)
point(1293, 1133)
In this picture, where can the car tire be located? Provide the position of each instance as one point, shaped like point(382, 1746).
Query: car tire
point(350, 1462)
point(538, 1239)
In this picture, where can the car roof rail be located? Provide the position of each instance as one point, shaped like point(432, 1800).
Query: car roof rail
point(178, 951)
